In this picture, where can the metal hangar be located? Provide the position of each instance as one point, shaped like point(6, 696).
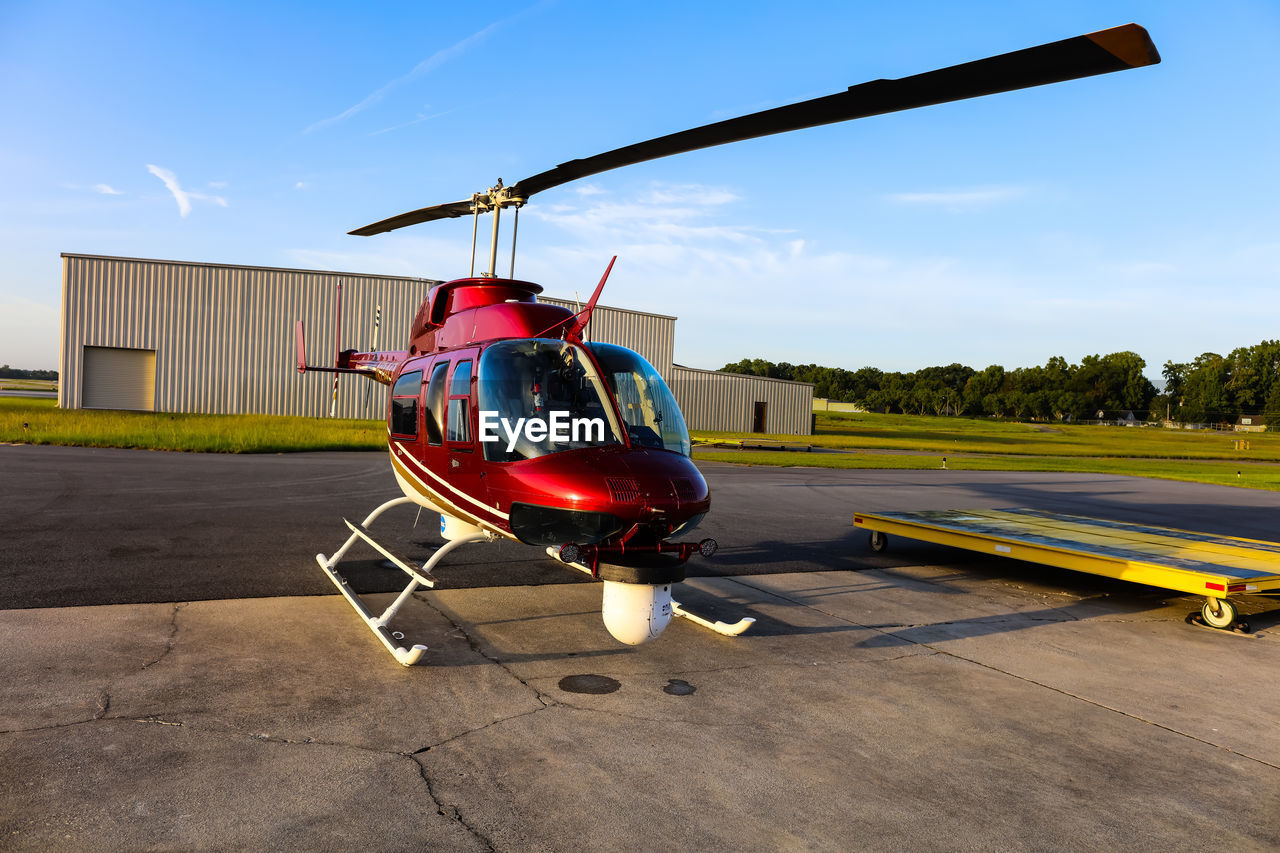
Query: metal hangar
point(179, 336)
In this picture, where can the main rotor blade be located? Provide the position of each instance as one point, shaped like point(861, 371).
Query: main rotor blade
point(451, 210)
point(1102, 52)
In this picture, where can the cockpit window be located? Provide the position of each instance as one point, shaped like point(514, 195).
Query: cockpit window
point(652, 417)
point(539, 396)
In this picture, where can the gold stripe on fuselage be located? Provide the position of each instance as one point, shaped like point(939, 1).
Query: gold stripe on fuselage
point(408, 477)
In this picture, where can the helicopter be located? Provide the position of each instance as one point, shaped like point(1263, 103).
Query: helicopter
point(509, 423)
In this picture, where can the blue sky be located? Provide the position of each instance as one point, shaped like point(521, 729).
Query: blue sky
point(1131, 211)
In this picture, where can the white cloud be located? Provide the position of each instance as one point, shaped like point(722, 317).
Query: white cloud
point(746, 290)
point(961, 199)
point(106, 189)
point(419, 120)
point(406, 255)
point(662, 213)
point(302, 185)
point(181, 196)
point(217, 185)
point(426, 66)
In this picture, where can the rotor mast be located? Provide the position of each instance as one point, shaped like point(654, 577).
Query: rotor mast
point(494, 200)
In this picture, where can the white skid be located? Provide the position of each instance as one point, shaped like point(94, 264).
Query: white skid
point(719, 627)
point(419, 576)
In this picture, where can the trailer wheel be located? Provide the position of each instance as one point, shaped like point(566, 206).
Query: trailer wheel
point(878, 541)
point(1219, 612)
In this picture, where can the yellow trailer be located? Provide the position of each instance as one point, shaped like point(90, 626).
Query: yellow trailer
point(1216, 567)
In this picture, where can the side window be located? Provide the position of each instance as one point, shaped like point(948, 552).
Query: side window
point(434, 420)
point(460, 403)
point(404, 405)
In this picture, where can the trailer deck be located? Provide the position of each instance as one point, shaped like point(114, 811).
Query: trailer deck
point(1214, 566)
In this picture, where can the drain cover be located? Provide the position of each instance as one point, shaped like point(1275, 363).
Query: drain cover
point(589, 684)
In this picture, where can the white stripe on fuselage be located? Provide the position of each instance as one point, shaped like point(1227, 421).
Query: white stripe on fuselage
point(407, 457)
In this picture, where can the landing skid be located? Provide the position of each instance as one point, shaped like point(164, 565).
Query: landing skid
point(419, 576)
point(724, 628)
point(719, 627)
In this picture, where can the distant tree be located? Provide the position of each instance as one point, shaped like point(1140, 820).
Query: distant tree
point(7, 372)
point(1175, 380)
point(979, 387)
point(1204, 392)
point(1271, 406)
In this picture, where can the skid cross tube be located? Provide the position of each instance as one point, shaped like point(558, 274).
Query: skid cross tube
point(419, 576)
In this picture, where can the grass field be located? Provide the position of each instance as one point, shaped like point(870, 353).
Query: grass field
point(850, 441)
point(919, 442)
point(841, 431)
point(1247, 474)
point(47, 424)
point(28, 385)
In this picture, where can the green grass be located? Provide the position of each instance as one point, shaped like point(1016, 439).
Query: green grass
point(915, 442)
point(894, 441)
point(1250, 475)
point(47, 424)
point(860, 431)
point(29, 384)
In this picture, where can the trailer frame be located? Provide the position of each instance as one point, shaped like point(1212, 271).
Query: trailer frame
point(1215, 566)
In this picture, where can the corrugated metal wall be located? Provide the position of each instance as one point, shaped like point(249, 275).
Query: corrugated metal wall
point(223, 335)
point(711, 400)
point(651, 335)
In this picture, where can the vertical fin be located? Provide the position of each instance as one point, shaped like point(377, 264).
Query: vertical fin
point(583, 317)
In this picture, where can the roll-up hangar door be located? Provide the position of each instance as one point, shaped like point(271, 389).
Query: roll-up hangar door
point(116, 378)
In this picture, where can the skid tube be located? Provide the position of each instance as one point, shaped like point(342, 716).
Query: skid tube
point(724, 628)
point(418, 576)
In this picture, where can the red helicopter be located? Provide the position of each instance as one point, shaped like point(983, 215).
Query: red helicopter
point(506, 421)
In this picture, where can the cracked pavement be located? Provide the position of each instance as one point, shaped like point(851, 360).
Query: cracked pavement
point(879, 701)
point(282, 723)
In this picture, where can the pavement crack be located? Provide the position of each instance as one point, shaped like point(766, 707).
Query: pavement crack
point(897, 635)
point(1103, 706)
point(52, 727)
point(475, 646)
point(450, 810)
point(488, 725)
point(104, 704)
point(153, 720)
point(173, 635)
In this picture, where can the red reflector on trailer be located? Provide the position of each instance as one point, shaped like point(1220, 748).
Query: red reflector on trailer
point(1219, 587)
point(857, 519)
point(1237, 587)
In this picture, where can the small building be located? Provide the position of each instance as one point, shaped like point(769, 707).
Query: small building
point(179, 336)
point(1251, 423)
point(735, 402)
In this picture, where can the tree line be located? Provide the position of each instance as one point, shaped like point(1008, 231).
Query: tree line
point(1211, 388)
point(7, 372)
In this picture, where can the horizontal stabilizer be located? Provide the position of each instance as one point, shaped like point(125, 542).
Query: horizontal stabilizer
point(381, 366)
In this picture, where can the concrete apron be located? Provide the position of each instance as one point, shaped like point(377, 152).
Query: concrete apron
point(910, 707)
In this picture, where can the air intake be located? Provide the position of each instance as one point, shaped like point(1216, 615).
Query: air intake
point(623, 490)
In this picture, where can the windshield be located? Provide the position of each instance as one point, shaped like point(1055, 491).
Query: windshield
point(652, 417)
point(539, 396)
